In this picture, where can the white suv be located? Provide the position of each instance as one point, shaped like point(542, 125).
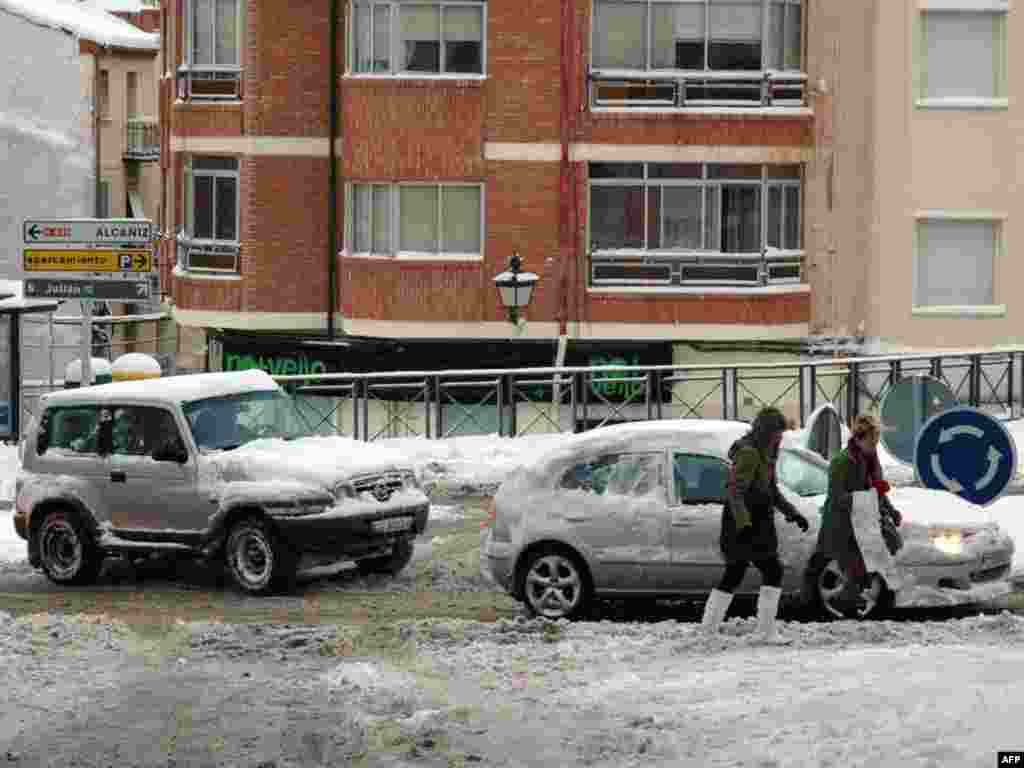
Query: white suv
point(213, 465)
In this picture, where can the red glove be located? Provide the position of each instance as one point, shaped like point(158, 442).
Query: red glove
point(882, 487)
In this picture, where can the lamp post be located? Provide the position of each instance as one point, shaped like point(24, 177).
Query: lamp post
point(515, 287)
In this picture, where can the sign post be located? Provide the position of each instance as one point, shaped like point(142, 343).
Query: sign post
point(88, 260)
point(967, 452)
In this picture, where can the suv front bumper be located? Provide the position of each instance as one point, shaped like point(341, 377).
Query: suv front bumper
point(335, 533)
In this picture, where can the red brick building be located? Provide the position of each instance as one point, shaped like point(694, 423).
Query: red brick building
point(645, 159)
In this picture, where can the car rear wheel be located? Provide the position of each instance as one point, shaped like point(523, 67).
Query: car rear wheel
point(390, 565)
point(830, 596)
point(67, 552)
point(259, 561)
point(555, 584)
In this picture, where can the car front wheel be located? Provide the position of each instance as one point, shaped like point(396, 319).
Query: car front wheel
point(390, 565)
point(66, 550)
point(555, 584)
point(829, 596)
point(259, 561)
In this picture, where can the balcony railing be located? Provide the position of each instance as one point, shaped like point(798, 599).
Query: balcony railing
point(208, 256)
point(630, 89)
point(209, 83)
point(142, 140)
point(695, 268)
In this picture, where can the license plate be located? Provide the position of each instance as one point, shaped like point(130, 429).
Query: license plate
point(392, 524)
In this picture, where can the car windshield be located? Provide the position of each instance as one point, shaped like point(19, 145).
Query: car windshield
point(801, 475)
point(223, 423)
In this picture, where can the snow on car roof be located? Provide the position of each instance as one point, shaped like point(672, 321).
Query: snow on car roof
point(176, 389)
point(85, 21)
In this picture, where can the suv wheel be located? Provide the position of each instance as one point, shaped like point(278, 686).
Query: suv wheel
point(66, 550)
point(390, 565)
point(259, 561)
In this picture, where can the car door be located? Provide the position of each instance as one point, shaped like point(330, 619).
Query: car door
point(617, 508)
point(150, 498)
point(698, 494)
point(69, 445)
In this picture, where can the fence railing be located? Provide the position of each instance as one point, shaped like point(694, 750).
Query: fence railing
point(515, 402)
point(632, 89)
point(772, 266)
point(142, 140)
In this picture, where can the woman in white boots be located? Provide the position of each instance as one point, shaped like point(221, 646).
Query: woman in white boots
point(748, 525)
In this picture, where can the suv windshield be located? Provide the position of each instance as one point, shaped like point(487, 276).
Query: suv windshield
point(223, 423)
point(801, 475)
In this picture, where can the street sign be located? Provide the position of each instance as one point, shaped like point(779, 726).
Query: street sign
point(86, 260)
point(102, 289)
point(910, 402)
point(123, 232)
point(967, 452)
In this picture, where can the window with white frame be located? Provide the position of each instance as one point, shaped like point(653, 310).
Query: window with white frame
point(955, 262)
point(213, 34)
point(694, 207)
point(697, 35)
point(413, 219)
point(963, 54)
point(393, 37)
point(211, 213)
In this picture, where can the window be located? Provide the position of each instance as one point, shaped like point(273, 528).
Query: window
point(722, 35)
point(699, 479)
point(138, 431)
point(801, 475)
point(443, 220)
point(628, 474)
point(213, 30)
point(74, 429)
point(427, 38)
point(132, 95)
point(103, 96)
point(212, 213)
point(103, 201)
point(963, 55)
point(955, 260)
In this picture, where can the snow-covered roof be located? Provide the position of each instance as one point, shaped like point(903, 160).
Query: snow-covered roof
point(120, 6)
point(84, 21)
point(173, 389)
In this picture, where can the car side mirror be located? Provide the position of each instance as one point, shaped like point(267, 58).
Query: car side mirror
point(171, 450)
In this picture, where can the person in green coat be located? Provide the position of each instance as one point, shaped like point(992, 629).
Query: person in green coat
point(748, 525)
point(855, 468)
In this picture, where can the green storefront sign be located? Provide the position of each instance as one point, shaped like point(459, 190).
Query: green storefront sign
point(275, 365)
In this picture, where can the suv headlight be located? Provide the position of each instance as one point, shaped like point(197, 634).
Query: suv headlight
point(345, 490)
point(411, 481)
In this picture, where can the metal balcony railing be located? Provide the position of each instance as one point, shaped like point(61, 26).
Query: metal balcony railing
point(683, 89)
point(208, 256)
point(209, 83)
point(142, 139)
point(694, 268)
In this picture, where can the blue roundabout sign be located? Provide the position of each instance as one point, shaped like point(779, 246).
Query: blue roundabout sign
point(967, 452)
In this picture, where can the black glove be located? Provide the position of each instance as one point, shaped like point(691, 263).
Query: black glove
point(800, 520)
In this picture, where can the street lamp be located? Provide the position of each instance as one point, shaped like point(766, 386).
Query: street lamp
point(515, 287)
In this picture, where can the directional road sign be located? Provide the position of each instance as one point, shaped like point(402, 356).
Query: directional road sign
point(967, 452)
point(102, 289)
point(86, 260)
point(113, 232)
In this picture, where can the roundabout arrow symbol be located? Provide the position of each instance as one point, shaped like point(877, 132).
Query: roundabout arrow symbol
point(961, 429)
point(994, 457)
point(948, 483)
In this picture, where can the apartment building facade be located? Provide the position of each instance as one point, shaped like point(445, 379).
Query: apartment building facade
point(647, 160)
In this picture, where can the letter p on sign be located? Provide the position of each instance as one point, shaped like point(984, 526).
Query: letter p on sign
point(126, 261)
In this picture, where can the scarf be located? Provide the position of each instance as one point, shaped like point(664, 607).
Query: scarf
point(871, 463)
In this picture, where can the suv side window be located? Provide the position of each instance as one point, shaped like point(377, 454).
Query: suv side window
point(629, 474)
point(72, 428)
point(139, 430)
point(699, 479)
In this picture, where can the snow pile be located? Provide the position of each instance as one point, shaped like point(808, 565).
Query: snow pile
point(85, 21)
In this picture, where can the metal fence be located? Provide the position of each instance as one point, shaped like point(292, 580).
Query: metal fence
point(515, 402)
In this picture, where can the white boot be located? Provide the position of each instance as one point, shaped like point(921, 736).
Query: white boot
point(715, 609)
point(767, 610)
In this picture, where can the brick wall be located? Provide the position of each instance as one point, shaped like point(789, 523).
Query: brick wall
point(764, 309)
point(207, 120)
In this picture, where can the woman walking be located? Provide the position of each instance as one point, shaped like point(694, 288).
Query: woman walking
point(855, 468)
point(748, 525)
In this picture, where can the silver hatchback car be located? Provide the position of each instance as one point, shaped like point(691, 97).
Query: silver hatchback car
point(634, 510)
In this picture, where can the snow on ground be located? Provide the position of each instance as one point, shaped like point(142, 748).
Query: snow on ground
point(512, 693)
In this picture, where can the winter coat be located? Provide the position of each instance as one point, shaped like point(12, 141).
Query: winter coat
point(836, 539)
point(753, 495)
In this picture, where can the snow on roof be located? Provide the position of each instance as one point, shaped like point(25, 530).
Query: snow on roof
point(176, 389)
point(120, 6)
point(136, 362)
point(84, 21)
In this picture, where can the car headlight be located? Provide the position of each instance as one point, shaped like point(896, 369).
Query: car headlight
point(950, 542)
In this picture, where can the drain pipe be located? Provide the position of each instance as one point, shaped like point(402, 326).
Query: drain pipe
point(568, 9)
point(332, 176)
